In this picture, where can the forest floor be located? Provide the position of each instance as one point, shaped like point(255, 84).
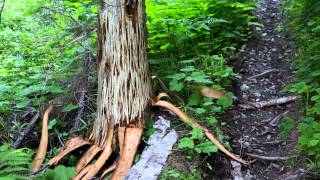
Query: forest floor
point(256, 131)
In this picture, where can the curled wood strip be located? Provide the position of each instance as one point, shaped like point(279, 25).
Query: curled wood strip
point(194, 124)
point(42, 150)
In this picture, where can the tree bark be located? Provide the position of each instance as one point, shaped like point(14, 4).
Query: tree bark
point(124, 84)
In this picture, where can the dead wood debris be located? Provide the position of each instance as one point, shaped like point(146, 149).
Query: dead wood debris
point(268, 103)
point(269, 158)
point(276, 120)
point(42, 150)
point(26, 131)
point(265, 73)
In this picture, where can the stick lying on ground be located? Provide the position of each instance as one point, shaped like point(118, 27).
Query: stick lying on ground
point(26, 131)
point(41, 154)
point(272, 102)
point(194, 124)
point(276, 120)
point(265, 73)
point(270, 158)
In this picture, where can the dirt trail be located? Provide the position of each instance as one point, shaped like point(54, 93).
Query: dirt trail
point(250, 130)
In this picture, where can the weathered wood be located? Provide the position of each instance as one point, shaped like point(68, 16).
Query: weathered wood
point(153, 158)
point(124, 81)
point(26, 131)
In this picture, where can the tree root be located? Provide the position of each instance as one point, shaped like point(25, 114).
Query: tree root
point(194, 124)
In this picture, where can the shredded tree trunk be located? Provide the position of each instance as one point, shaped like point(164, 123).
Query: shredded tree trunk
point(124, 84)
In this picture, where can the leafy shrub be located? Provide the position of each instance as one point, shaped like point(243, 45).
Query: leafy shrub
point(304, 22)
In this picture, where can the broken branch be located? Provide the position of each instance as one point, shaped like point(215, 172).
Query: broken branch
point(265, 73)
point(194, 124)
point(269, 158)
point(26, 131)
point(272, 102)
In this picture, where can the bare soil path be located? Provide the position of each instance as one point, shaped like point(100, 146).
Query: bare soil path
point(253, 131)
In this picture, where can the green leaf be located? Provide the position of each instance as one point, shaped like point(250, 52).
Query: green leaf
point(55, 89)
point(69, 107)
point(313, 143)
point(196, 133)
point(186, 143)
point(23, 103)
point(176, 86)
point(206, 147)
point(52, 123)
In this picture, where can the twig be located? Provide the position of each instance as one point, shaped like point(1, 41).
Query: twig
point(265, 73)
point(1, 9)
point(269, 158)
point(26, 131)
point(272, 102)
point(276, 120)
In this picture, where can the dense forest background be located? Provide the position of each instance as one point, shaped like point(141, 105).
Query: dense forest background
point(48, 52)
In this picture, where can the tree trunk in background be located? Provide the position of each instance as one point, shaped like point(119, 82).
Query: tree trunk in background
point(124, 84)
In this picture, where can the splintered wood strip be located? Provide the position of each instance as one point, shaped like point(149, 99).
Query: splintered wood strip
point(108, 170)
point(162, 95)
point(211, 93)
point(107, 151)
point(42, 150)
point(131, 142)
point(70, 146)
point(167, 90)
point(87, 157)
point(194, 124)
point(95, 168)
point(121, 133)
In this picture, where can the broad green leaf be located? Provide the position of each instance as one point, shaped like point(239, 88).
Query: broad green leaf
point(23, 103)
point(69, 107)
point(186, 143)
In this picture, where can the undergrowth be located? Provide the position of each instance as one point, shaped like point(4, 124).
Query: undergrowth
point(44, 47)
point(304, 21)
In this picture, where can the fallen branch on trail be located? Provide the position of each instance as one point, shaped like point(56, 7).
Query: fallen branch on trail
point(194, 124)
point(153, 158)
point(265, 73)
point(268, 103)
point(42, 150)
point(269, 158)
point(26, 131)
point(276, 120)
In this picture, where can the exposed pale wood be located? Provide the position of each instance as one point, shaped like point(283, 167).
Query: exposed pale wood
point(124, 81)
point(131, 141)
point(194, 124)
point(87, 157)
point(267, 103)
point(42, 150)
point(154, 156)
point(70, 146)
